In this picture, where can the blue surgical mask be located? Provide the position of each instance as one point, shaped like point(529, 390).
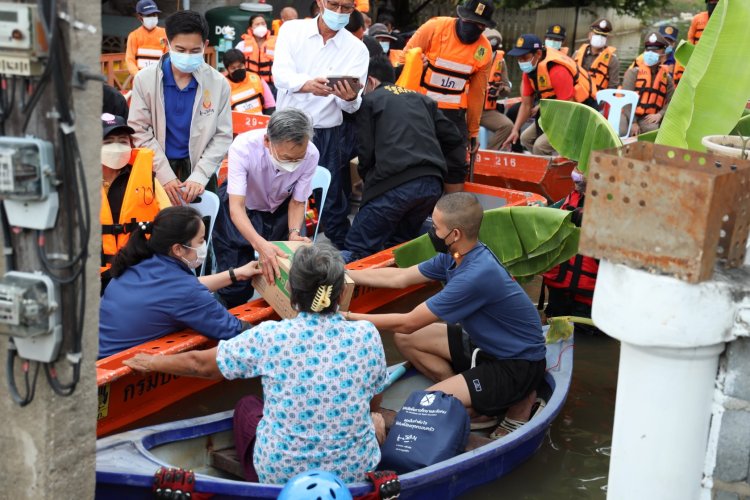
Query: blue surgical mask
point(669, 50)
point(651, 58)
point(187, 63)
point(334, 20)
point(386, 46)
point(553, 44)
point(526, 66)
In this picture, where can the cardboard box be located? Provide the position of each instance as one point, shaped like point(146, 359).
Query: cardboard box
point(277, 295)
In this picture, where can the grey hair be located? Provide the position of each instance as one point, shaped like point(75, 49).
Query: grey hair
point(313, 266)
point(290, 124)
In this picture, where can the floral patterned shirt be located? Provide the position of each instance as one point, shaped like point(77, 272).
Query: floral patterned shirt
point(319, 373)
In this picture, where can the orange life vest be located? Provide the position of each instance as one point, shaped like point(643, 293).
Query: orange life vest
point(578, 275)
point(697, 26)
point(652, 94)
point(599, 70)
point(138, 205)
point(496, 77)
point(149, 45)
point(394, 55)
point(677, 72)
point(247, 95)
point(450, 64)
point(257, 60)
point(583, 86)
point(276, 26)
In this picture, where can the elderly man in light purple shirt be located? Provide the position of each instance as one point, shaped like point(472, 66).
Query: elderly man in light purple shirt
point(263, 200)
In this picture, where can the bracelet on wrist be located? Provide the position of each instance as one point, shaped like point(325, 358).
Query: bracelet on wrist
point(232, 276)
point(294, 230)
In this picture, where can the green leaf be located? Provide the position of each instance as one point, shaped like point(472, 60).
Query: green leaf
point(715, 87)
point(684, 52)
point(743, 126)
point(648, 136)
point(575, 130)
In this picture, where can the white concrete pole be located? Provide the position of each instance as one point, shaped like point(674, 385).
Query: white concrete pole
point(672, 334)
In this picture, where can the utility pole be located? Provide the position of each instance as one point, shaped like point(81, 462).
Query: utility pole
point(49, 444)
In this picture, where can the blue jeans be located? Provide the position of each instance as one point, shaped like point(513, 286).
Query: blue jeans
point(392, 218)
point(330, 144)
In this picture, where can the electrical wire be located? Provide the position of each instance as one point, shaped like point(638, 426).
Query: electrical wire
point(11, 377)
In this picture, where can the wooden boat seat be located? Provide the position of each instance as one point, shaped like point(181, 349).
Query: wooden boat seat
point(226, 460)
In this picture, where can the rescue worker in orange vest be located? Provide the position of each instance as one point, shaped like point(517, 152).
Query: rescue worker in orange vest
point(498, 87)
point(676, 69)
point(148, 42)
point(598, 58)
point(249, 93)
point(457, 59)
point(130, 194)
point(571, 284)
point(285, 14)
point(700, 20)
point(258, 45)
point(380, 33)
point(555, 37)
point(547, 74)
point(651, 79)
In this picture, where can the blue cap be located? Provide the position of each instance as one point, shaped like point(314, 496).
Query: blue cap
point(147, 7)
point(669, 32)
point(525, 44)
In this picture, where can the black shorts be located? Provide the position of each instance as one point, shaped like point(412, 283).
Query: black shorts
point(494, 384)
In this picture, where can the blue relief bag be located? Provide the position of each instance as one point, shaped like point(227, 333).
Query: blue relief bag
point(430, 427)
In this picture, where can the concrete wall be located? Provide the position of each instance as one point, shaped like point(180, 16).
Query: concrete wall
point(730, 456)
point(48, 446)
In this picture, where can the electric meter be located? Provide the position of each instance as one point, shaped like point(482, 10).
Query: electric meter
point(29, 313)
point(26, 171)
point(22, 40)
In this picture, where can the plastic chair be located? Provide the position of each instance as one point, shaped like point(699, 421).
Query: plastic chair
point(617, 100)
point(321, 180)
point(207, 205)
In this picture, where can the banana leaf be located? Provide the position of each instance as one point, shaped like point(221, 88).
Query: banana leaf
point(684, 52)
point(743, 126)
point(527, 240)
point(648, 136)
point(715, 87)
point(575, 130)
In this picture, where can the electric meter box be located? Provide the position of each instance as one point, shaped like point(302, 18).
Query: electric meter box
point(29, 312)
point(26, 173)
point(22, 40)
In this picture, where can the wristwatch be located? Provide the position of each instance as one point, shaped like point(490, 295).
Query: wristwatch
point(232, 276)
point(294, 230)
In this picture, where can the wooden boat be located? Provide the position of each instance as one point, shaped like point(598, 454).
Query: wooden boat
point(125, 463)
point(125, 397)
point(548, 176)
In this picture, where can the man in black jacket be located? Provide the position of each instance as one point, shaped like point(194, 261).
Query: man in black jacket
point(402, 140)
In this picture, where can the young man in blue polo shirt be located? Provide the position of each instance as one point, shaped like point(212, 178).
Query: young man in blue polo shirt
point(190, 140)
point(480, 308)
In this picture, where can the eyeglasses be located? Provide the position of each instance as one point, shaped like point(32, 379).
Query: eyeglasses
point(340, 7)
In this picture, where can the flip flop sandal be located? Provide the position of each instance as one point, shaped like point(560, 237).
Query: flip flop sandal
point(483, 424)
point(509, 425)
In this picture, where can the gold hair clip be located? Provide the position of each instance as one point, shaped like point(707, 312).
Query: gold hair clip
point(322, 298)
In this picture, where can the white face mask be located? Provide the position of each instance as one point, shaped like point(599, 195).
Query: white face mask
point(553, 44)
point(115, 155)
point(150, 22)
point(598, 41)
point(200, 256)
point(286, 166)
point(260, 31)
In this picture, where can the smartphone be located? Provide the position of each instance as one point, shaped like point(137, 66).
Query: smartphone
point(353, 81)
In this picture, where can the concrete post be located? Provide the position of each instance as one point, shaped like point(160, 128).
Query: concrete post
point(672, 334)
point(48, 446)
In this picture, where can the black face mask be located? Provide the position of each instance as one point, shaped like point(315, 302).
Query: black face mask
point(468, 32)
point(438, 243)
point(238, 75)
point(710, 8)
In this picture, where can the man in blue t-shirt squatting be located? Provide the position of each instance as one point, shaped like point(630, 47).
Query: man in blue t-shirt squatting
point(480, 337)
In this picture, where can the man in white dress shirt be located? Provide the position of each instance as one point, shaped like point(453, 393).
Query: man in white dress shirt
point(308, 51)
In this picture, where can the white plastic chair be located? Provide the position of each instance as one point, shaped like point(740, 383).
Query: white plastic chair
point(321, 180)
point(617, 100)
point(207, 205)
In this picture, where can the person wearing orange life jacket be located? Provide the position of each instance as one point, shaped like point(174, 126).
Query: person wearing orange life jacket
point(457, 59)
point(571, 284)
point(499, 86)
point(285, 14)
point(700, 20)
point(547, 74)
point(676, 69)
point(651, 79)
point(130, 194)
point(380, 33)
point(598, 58)
point(555, 37)
point(258, 45)
point(249, 93)
point(148, 42)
